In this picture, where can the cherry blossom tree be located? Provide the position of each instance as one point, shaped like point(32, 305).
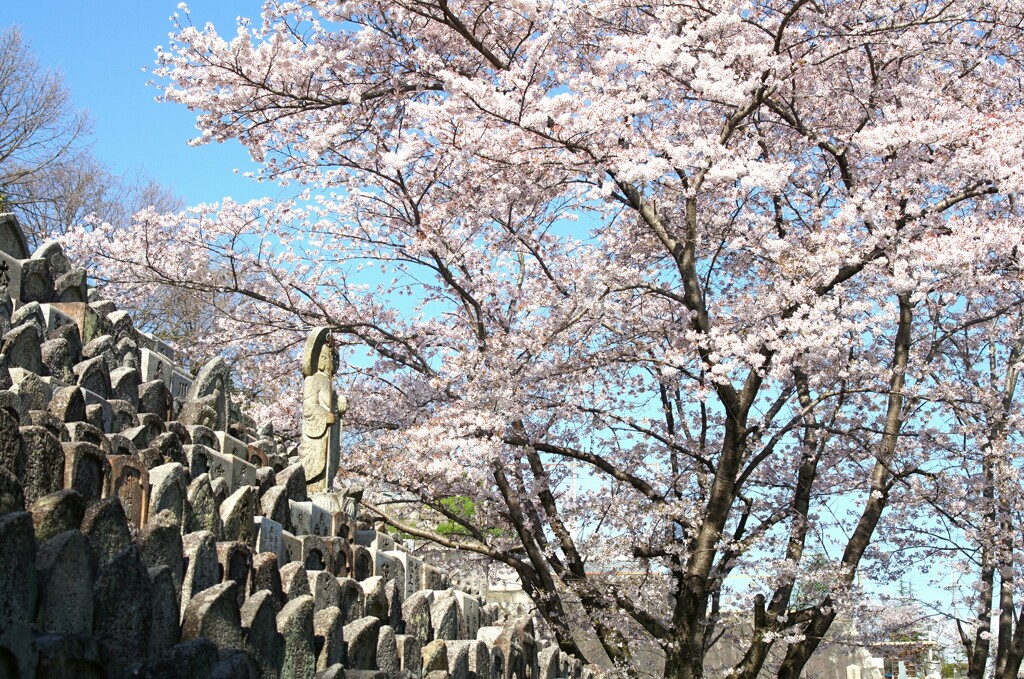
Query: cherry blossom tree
point(669, 290)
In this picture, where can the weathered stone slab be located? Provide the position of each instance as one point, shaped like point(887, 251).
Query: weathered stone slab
point(416, 613)
point(294, 580)
point(68, 404)
point(43, 468)
point(412, 571)
point(469, 615)
point(361, 636)
point(375, 540)
point(274, 506)
point(301, 517)
point(106, 528)
point(129, 483)
point(86, 469)
point(268, 535)
point(444, 617)
point(55, 513)
point(21, 346)
point(84, 431)
point(362, 563)
point(168, 490)
point(57, 362)
point(395, 600)
point(187, 660)
point(12, 448)
point(164, 625)
point(123, 612)
point(65, 584)
point(237, 513)
point(387, 651)
point(154, 398)
point(351, 597)
point(12, 496)
point(386, 567)
point(160, 545)
point(201, 566)
point(293, 478)
point(295, 624)
point(229, 445)
point(34, 391)
point(410, 654)
point(219, 466)
point(548, 662)
point(214, 614)
point(435, 657)
point(432, 577)
point(93, 374)
point(458, 658)
point(341, 554)
point(375, 601)
point(321, 522)
point(124, 385)
point(236, 565)
point(259, 629)
point(154, 366)
point(266, 575)
point(325, 590)
point(329, 637)
point(315, 554)
point(292, 548)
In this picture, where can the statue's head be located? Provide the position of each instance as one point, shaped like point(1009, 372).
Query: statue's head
point(328, 359)
point(317, 354)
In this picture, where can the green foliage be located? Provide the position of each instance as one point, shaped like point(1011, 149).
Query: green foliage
point(460, 506)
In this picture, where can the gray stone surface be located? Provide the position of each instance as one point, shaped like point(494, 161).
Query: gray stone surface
point(169, 490)
point(68, 404)
point(236, 515)
point(17, 569)
point(65, 584)
point(193, 659)
point(160, 545)
point(444, 617)
point(325, 590)
point(361, 636)
point(86, 469)
point(73, 655)
point(410, 653)
point(294, 580)
point(43, 463)
point(352, 604)
point(106, 529)
point(435, 657)
point(259, 629)
point(12, 448)
point(214, 614)
point(266, 575)
point(204, 510)
point(387, 651)
point(57, 512)
point(164, 624)
point(329, 637)
point(295, 623)
point(12, 495)
point(21, 345)
point(122, 612)
point(202, 568)
point(235, 560)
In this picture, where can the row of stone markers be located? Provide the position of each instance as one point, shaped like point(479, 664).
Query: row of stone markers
point(149, 529)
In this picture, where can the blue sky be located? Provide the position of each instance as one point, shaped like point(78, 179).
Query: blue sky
point(102, 49)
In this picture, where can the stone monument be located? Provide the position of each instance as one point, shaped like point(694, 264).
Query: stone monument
point(319, 450)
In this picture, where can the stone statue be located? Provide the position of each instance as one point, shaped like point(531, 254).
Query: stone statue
point(320, 449)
